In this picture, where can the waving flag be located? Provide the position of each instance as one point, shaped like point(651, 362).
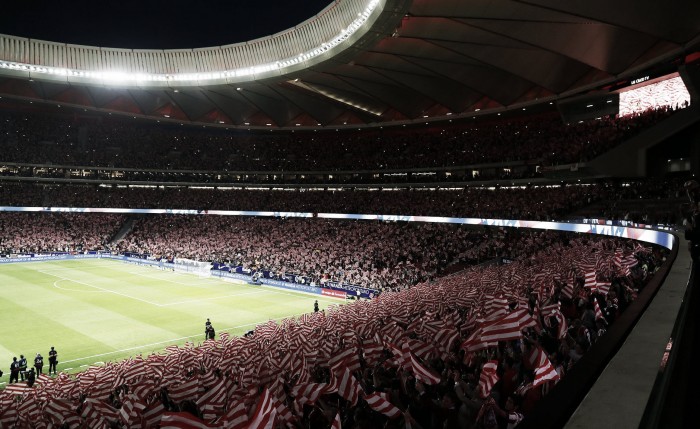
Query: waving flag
point(265, 413)
point(182, 420)
point(487, 378)
point(544, 373)
point(349, 388)
point(423, 373)
point(379, 402)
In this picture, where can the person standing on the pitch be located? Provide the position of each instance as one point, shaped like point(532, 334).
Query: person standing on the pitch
point(207, 329)
point(39, 363)
point(53, 360)
point(14, 371)
point(22, 366)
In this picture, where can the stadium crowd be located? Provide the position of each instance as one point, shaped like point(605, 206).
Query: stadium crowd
point(430, 352)
point(377, 255)
point(98, 141)
point(533, 203)
point(477, 349)
point(53, 232)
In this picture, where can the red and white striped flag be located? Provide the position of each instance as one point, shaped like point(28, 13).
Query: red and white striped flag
point(29, 409)
point(182, 420)
point(598, 312)
point(212, 402)
point(62, 411)
point(349, 358)
point(568, 290)
point(487, 378)
point(589, 279)
point(187, 390)
point(94, 411)
point(602, 286)
point(349, 389)
point(545, 372)
point(423, 373)
point(446, 338)
point(131, 409)
point(265, 412)
point(153, 413)
point(236, 416)
point(308, 393)
point(379, 402)
point(336, 422)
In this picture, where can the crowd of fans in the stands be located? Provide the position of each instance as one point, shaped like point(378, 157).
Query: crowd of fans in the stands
point(119, 143)
point(536, 203)
point(405, 260)
point(408, 354)
point(648, 201)
point(379, 255)
point(47, 232)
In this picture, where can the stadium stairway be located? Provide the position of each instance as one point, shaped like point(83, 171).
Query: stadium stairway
point(125, 229)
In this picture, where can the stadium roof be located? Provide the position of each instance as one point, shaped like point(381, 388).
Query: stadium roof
point(411, 61)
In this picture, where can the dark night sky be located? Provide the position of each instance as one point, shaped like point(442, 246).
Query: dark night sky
point(153, 24)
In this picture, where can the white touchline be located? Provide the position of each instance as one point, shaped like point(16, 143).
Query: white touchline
point(169, 341)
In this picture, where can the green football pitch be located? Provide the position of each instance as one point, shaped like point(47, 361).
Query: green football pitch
point(99, 310)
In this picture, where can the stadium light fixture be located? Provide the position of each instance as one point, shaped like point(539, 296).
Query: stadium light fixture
point(123, 77)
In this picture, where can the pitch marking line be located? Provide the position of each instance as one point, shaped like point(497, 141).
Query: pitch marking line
point(172, 341)
point(101, 288)
point(55, 284)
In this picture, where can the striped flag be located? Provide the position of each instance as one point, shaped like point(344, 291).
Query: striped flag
point(598, 312)
point(182, 420)
point(236, 416)
point(349, 389)
point(62, 411)
point(187, 390)
point(308, 393)
point(379, 402)
point(336, 422)
point(95, 412)
point(212, 402)
point(544, 373)
point(153, 413)
point(131, 409)
point(561, 321)
point(423, 373)
point(349, 358)
point(29, 409)
point(265, 412)
point(589, 279)
point(568, 290)
point(487, 378)
point(535, 358)
point(445, 339)
point(602, 286)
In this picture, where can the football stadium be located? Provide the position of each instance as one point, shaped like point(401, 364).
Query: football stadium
point(359, 214)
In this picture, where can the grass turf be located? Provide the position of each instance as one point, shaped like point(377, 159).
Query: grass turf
point(100, 310)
